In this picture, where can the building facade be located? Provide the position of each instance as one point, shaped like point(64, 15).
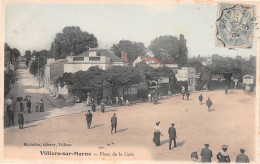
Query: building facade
point(152, 62)
point(100, 58)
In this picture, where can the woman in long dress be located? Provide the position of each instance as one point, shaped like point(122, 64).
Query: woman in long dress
point(223, 156)
point(41, 106)
point(157, 133)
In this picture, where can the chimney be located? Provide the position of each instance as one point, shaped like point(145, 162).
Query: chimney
point(124, 57)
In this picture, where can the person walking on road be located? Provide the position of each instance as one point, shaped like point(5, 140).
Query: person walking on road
point(10, 113)
point(21, 106)
point(206, 154)
point(209, 104)
point(89, 117)
point(172, 136)
point(242, 158)
point(183, 95)
point(113, 123)
point(103, 107)
point(223, 156)
point(188, 95)
point(20, 120)
point(29, 105)
point(226, 90)
point(41, 106)
point(93, 107)
point(200, 99)
point(157, 133)
point(37, 107)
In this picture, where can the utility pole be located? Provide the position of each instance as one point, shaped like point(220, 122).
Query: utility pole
point(39, 71)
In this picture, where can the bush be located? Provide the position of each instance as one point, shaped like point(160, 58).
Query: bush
point(177, 87)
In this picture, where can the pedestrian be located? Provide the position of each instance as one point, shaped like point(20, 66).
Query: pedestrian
point(126, 102)
point(206, 154)
point(117, 99)
point(183, 94)
point(194, 155)
point(157, 133)
point(226, 90)
point(20, 120)
point(113, 123)
point(21, 106)
point(121, 100)
point(16, 78)
point(102, 107)
point(209, 104)
point(149, 97)
point(200, 98)
point(223, 156)
point(10, 113)
point(172, 136)
point(155, 100)
point(89, 117)
point(36, 106)
point(41, 106)
point(188, 95)
point(29, 104)
point(93, 107)
point(242, 158)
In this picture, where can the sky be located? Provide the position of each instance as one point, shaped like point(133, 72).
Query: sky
point(34, 26)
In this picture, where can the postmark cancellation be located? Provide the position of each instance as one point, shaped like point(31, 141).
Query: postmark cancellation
point(235, 25)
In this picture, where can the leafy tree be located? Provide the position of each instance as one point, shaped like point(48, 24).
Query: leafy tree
point(72, 40)
point(28, 56)
point(41, 56)
point(133, 49)
point(170, 47)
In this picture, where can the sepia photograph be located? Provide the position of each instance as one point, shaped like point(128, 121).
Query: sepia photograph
point(112, 82)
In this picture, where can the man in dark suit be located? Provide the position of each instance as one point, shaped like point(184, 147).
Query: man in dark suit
point(89, 118)
point(206, 154)
point(172, 136)
point(113, 122)
point(29, 105)
point(209, 104)
point(242, 158)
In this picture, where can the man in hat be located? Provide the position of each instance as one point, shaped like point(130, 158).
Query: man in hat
point(188, 95)
point(242, 158)
point(20, 120)
point(172, 136)
point(29, 105)
point(223, 156)
point(209, 104)
point(113, 123)
point(89, 118)
point(200, 98)
point(226, 90)
point(206, 154)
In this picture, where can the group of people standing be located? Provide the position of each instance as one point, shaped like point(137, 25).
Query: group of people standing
point(222, 156)
point(172, 135)
point(39, 106)
point(89, 118)
point(153, 98)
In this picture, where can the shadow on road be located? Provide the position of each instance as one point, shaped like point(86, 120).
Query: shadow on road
point(164, 142)
point(211, 110)
point(122, 130)
point(95, 126)
point(179, 144)
point(32, 126)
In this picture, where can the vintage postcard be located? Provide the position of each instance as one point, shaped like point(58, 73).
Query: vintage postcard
point(129, 81)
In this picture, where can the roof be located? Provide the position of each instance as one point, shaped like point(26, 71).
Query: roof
point(147, 58)
point(58, 61)
point(103, 52)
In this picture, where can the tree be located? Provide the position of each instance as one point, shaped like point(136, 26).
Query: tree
point(41, 56)
point(72, 40)
point(27, 56)
point(170, 47)
point(133, 49)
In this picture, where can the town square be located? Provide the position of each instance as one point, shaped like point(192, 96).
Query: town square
point(136, 90)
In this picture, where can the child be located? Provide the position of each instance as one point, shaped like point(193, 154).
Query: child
point(37, 106)
point(194, 155)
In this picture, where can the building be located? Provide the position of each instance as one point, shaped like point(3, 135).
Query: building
point(100, 58)
point(53, 70)
point(152, 62)
point(187, 74)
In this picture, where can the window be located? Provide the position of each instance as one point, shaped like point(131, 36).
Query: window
point(94, 58)
point(78, 58)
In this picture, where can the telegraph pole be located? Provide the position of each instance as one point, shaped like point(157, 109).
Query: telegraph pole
point(39, 71)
